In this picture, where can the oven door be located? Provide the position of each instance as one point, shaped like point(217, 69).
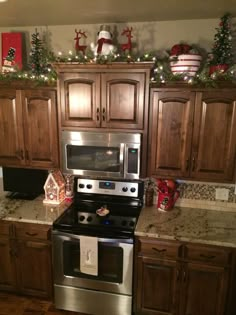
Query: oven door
point(115, 264)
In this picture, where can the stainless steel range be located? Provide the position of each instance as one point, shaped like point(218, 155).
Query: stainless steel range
point(93, 247)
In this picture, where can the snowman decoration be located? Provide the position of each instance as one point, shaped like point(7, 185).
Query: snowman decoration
point(104, 43)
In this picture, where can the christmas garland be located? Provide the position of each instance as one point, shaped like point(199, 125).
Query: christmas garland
point(160, 75)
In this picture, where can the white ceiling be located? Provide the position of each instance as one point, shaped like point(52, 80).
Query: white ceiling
point(68, 12)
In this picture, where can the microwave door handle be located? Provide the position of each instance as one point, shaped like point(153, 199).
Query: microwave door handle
point(122, 158)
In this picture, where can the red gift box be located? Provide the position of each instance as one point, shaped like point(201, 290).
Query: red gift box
point(12, 49)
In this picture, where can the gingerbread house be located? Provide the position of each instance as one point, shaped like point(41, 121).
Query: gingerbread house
point(54, 188)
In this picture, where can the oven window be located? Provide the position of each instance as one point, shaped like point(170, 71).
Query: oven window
point(110, 262)
point(93, 158)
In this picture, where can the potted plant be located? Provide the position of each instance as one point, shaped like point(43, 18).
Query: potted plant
point(184, 59)
point(221, 56)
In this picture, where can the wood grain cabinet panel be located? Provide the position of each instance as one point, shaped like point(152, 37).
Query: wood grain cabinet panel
point(11, 128)
point(193, 134)
point(36, 257)
point(28, 128)
point(25, 260)
point(104, 96)
point(196, 282)
point(204, 289)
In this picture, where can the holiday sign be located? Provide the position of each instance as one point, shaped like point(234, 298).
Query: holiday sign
point(11, 52)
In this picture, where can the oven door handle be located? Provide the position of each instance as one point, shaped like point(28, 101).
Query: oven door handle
point(69, 236)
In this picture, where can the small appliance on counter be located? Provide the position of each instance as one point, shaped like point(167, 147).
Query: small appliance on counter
point(22, 183)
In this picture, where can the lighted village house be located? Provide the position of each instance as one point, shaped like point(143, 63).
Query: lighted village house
point(54, 188)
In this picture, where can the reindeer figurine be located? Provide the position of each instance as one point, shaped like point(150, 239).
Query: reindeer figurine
point(79, 47)
point(127, 46)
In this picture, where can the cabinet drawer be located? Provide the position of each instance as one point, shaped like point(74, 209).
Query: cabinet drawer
point(32, 231)
point(158, 249)
point(209, 255)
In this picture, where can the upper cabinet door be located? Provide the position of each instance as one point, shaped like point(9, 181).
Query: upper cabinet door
point(170, 136)
point(80, 99)
point(123, 100)
point(40, 128)
point(11, 131)
point(214, 138)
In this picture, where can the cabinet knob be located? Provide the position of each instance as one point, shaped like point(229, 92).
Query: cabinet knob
point(98, 114)
point(31, 234)
point(159, 251)
point(193, 164)
point(177, 274)
point(187, 164)
point(103, 114)
point(20, 154)
point(207, 256)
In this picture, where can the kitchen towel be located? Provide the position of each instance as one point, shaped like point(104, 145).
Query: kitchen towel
point(89, 255)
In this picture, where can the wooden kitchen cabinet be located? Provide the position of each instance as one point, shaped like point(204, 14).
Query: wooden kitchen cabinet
point(28, 128)
point(104, 96)
point(26, 263)
point(193, 134)
point(7, 264)
point(181, 283)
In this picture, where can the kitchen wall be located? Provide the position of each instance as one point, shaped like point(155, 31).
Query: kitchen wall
point(147, 36)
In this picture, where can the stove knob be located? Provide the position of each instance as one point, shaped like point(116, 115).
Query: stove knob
point(124, 189)
point(132, 189)
point(81, 218)
point(81, 185)
point(131, 223)
point(89, 218)
point(89, 186)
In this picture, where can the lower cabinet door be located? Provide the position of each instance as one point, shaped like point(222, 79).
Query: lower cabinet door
point(157, 282)
point(204, 290)
point(34, 268)
point(7, 266)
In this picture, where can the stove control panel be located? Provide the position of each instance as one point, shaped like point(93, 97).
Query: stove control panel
point(117, 221)
point(108, 187)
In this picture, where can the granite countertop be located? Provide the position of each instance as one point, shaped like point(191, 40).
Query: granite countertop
point(189, 224)
point(32, 211)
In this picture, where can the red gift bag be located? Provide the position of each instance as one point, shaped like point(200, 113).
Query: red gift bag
point(12, 50)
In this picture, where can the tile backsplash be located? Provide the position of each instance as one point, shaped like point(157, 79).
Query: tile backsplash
point(202, 195)
point(204, 191)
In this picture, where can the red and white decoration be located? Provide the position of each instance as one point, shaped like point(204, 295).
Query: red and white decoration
point(104, 43)
point(186, 63)
point(11, 42)
point(184, 60)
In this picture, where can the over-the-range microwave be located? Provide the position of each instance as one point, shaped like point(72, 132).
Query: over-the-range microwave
point(101, 154)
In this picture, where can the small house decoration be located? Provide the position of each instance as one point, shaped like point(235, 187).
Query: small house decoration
point(127, 46)
point(78, 46)
point(54, 188)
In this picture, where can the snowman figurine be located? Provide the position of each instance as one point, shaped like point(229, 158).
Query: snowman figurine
point(104, 43)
